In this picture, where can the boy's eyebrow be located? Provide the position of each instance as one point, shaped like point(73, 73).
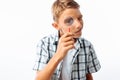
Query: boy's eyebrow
point(72, 17)
point(68, 17)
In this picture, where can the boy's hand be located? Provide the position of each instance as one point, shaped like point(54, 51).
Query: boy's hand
point(66, 42)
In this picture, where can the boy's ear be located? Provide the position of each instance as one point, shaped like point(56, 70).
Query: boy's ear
point(55, 25)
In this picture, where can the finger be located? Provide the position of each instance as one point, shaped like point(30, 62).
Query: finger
point(67, 34)
point(69, 43)
point(69, 38)
point(70, 47)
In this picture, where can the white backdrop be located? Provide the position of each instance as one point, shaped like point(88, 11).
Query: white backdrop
point(24, 22)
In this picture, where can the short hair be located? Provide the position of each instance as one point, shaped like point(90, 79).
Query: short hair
point(60, 5)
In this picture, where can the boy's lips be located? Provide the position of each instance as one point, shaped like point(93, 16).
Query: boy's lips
point(78, 31)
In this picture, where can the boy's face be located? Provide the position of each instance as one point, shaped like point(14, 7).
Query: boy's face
point(71, 21)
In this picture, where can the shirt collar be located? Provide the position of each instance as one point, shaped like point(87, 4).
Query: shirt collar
point(57, 36)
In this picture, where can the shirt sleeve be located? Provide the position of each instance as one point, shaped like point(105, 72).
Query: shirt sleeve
point(42, 56)
point(93, 64)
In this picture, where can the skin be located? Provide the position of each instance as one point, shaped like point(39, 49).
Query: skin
point(66, 41)
point(77, 25)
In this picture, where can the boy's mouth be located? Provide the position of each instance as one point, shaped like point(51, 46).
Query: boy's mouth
point(77, 31)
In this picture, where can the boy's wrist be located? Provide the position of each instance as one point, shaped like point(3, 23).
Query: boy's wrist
point(57, 57)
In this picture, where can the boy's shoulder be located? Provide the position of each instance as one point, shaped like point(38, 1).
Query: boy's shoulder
point(85, 41)
point(50, 38)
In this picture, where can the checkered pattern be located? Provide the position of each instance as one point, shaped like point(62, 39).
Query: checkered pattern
point(84, 61)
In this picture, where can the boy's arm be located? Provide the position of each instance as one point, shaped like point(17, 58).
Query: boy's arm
point(66, 42)
point(47, 72)
point(89, 76)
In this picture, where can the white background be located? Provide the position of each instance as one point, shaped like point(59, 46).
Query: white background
point(24, 22)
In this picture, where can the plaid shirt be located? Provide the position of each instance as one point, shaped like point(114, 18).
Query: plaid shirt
point(84, 60)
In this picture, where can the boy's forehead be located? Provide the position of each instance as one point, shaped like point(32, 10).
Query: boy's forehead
point(72, 12)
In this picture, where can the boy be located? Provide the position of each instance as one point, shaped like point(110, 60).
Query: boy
point(65, 55)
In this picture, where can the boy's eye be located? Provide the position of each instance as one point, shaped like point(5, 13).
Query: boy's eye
point(69, 21)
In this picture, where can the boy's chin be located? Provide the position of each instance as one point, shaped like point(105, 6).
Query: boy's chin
point(77, 36)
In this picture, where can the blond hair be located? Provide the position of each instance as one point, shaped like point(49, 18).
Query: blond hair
point(60, 5)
